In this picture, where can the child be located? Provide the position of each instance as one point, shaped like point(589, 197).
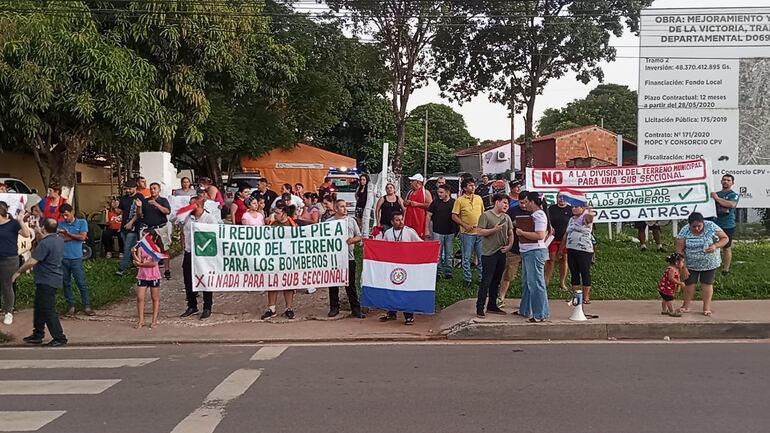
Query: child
point(147, 276)
point(113, 217)
point(670, 283)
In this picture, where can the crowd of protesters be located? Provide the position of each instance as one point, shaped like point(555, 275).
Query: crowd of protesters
point(498, 232)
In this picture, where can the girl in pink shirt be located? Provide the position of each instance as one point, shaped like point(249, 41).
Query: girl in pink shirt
point(254, 216)
point(147, 276)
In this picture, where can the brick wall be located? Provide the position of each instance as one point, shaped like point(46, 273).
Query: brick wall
point(594, 143)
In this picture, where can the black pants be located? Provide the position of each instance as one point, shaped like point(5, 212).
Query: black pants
point(334, 292)
point(192, 297)
point(107, 236)
point(45, 313)
point(493, 267)
point(579, 263)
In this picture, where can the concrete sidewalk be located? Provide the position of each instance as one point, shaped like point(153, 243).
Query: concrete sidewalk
point(235, 319)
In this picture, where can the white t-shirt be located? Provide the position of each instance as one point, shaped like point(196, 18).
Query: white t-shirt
point(541, 225)
point(407, 234)
point(205, 218)
point(297, 202)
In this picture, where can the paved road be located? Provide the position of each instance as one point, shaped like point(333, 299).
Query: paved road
point(455, 388)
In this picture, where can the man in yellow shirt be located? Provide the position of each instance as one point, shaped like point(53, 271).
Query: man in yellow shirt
point(466, 213)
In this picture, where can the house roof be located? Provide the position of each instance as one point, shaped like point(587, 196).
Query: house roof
point(482, 148)
point(489, 145)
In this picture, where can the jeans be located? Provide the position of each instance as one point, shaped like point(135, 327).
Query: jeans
point(534, 299)
point(129, 240)
point(74, 268)
point(107, 236)
point(192, 297)
point(446, 253)
point(45, 313)
point(469, 244)
point(490, 281)
point(334, 292)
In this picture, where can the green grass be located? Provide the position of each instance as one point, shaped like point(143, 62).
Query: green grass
point(105, 287)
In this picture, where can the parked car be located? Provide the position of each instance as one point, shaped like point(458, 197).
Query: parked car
point(17, 186)
point(248, 178)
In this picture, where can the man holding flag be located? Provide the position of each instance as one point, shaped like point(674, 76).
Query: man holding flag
point(399, 278)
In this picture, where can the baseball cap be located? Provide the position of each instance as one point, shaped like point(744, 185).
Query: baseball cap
point(418, 177)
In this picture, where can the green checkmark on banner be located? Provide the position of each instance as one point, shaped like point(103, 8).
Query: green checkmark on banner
point(205, 244)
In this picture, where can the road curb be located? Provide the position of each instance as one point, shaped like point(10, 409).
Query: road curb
point(610, 331)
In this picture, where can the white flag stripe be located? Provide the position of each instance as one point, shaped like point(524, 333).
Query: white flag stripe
point(50, 387)
point(268, 352)
point(206, 418)
point(11, 364)
point(31, 420)
point(418, 277)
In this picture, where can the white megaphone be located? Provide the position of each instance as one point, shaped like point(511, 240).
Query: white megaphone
point(577, 313)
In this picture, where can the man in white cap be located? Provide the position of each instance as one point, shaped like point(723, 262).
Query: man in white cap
point(417, 202)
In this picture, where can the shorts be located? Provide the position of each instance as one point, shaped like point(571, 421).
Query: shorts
point(703, 277)
point(554, 246)
point(665, 296)
point(641, 225)
point(730, 233)
point(512, 262)
point(148, 283)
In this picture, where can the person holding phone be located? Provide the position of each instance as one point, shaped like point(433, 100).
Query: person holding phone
point(496, 230)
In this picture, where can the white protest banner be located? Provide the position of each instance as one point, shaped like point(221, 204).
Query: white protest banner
point(704, 75)
point(246, 258)
point(14, 202)
point(634, 193)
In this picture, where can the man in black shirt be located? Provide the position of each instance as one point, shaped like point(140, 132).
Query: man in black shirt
point(513, 257)
point(154, 216)
point(444, 229)
point(559, 215)
point(130, 223)
point(268, 194)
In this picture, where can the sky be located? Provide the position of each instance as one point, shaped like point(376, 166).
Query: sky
point(488, 121)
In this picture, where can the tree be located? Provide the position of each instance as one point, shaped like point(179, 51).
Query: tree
point(612, 105)
point(64, 86)
point(447, 133)
point(198, 48)
point(403, 31)
point(513, 49)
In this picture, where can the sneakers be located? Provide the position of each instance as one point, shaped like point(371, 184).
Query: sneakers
point(167, 275)
point(70, 311)
point(33, 339)
point(205, 314)
point(189, 312)
point(356, 312)
point(108, 255)
point(495, 310)
point(310, 291)
point(119, 273)
point(8, 320)
point(500, 303)
point(409, 321)
point(387, 317)
point(333, 311)
point(289, 314)
point(56, 343)
point(267, 314)
point(480, 312)
point(88, 311)
point(643, 247)
point(660, 248)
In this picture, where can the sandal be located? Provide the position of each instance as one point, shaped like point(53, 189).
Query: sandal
point(409, 321)
point(707, 313)
point(682, 310)
point(586, 301)
point(533, 320)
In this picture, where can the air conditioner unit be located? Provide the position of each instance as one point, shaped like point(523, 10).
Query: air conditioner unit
point(502, 156)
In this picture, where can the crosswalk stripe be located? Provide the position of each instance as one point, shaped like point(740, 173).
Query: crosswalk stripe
point(27, 420)
point(9, 364)
point(49, 387)
point(207, 417)
point(268, 352)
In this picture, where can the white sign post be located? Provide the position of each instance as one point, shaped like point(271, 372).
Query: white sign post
point(704, 92)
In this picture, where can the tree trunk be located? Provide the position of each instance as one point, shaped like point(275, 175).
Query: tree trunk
point(528, 127)
point(399, 151)
point(167, 146)
point(63, 160)
point(213, 170)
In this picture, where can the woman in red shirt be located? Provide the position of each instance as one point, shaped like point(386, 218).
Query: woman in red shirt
point(50, 204)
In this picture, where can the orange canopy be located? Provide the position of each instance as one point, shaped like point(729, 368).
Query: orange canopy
point(303, 163)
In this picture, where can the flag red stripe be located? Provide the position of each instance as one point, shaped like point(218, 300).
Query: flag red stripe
point(410, 253)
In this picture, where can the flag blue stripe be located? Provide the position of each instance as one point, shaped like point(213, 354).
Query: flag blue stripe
point(422, 301)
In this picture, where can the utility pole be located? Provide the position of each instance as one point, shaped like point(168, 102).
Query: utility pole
point(425, 161)
point(513, 140)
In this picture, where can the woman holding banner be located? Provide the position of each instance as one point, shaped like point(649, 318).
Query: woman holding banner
point(699, 242)
point(284, 216)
